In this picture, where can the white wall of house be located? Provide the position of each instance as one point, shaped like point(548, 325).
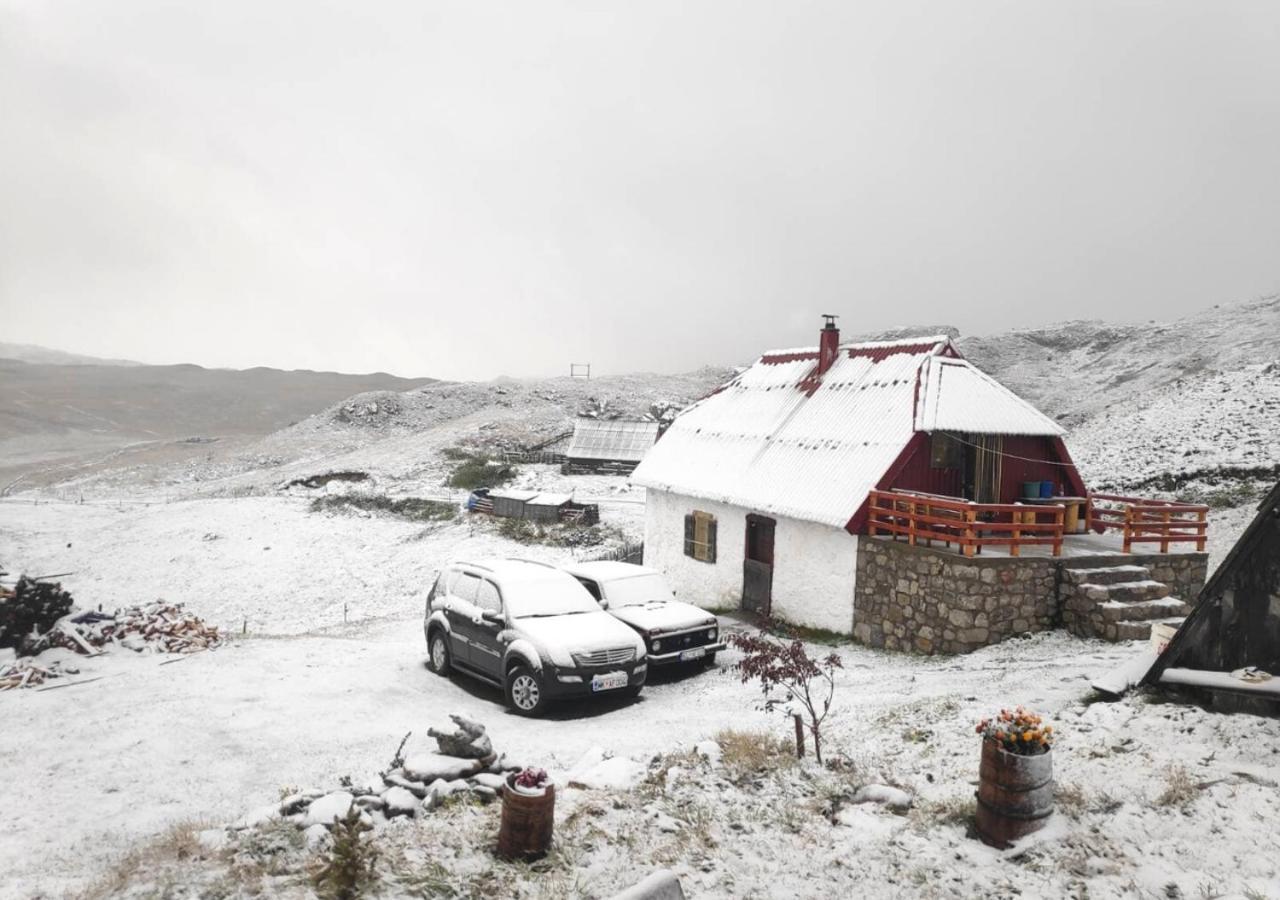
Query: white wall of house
point(813, 565)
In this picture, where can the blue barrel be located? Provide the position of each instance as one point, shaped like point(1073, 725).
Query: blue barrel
point(1046, 488)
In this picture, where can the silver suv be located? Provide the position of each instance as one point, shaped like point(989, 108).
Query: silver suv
point(532, 630)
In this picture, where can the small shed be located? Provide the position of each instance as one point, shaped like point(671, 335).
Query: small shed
point(547, 507)
point(511, 504)
point(611, 446)
point(1228, 649)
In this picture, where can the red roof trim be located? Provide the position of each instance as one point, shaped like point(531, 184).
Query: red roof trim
point(876, 354)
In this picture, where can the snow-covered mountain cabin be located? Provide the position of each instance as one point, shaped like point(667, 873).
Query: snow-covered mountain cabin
point(759, 494)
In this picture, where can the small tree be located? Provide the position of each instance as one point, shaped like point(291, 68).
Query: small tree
point(347, 870)
point(789, 676)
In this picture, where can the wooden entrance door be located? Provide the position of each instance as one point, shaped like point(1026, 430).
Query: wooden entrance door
point(757, 566)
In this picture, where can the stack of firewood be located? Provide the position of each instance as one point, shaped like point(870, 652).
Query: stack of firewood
point(159, 627)
point(26, 673)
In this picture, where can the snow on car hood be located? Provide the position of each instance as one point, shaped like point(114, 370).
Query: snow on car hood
point(663, 615)
point(559, 636)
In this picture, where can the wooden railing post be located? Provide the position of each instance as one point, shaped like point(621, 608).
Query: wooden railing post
point(1014, 548)
point(1200, 530)
point(1057, 534)
point(1128, 527)
point(871, 519)
point(969, 516)
point(911, 522)
point(1164, 532)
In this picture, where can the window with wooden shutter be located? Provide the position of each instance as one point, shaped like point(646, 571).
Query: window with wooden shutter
point(700, 536)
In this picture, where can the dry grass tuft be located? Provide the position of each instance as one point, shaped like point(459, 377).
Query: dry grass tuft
point(749, 754)
point(1179, 787)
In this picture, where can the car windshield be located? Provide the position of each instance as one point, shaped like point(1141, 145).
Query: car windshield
point(548, 594)
point(637, 590)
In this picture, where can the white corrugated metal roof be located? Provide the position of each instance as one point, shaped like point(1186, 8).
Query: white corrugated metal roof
point(522, 496)
point(776, 440)
point(957, 396)
point(549, 500)
point(612, 440)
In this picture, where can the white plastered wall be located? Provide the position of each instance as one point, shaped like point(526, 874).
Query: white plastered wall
point(813, 570)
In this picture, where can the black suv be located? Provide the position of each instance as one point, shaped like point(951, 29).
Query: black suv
point(532, 630)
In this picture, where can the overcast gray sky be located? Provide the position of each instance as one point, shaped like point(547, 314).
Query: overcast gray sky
point(472, 189)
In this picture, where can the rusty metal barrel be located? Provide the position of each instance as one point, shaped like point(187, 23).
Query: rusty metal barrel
point(1015, 794)
point(527, 822)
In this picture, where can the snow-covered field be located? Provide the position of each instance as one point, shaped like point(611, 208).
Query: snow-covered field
point(95, 768)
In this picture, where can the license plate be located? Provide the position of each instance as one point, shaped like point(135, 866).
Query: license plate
point(609, 681)
point(695, 653)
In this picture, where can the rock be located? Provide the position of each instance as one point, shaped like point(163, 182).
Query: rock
point(417, 788)
point(370, 802)
point(399, 801)
point(504, 764)
point(428, 767)
point(324, 810)
point(315, 835)
point(439, 789)
point(887, 796)
point(618, 773)
point(489, 780)
point(212, 839)
point(467, 741)
point(260, 816)
point(297, 802)
point(661, 885)
point(709, 750)
point(484, 792)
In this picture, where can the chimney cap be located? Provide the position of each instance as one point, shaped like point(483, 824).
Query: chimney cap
point(831, 320)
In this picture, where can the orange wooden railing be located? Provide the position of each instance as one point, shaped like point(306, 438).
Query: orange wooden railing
point(970, 526)
point(1142, 521)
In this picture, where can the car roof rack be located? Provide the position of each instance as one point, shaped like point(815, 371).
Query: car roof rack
point(532, 562)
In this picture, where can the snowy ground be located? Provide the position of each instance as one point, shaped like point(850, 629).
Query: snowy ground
point(95, 768)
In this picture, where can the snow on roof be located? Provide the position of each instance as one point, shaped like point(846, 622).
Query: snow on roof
point(523, 496)
point(781, 440)
point(767, 442)
point(957, 396)
point(612, 440)
point(549, 500)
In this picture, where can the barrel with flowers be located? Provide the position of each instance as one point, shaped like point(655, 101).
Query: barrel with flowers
point(1015, 777)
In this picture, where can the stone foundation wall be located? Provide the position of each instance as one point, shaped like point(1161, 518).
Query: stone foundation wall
point(935, 601)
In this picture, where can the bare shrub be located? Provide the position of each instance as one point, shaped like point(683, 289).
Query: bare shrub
point(747, 754)
point(1179, 787)
point(346, 871)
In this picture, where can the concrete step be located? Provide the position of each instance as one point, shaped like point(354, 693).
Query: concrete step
point(1124, 591)
point(1106, 574)
point(1142, 610)
point(1138, 631)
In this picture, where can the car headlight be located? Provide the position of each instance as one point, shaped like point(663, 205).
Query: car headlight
point(711, 634)
point(657, 645)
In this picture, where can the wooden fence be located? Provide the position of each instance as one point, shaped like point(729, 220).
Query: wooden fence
point(1142, 521)
point(970, 526)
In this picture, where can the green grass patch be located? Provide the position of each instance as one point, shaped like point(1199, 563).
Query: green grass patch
point(476, 470)
point(415, 509)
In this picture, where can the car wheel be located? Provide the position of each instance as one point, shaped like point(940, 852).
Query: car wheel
point(524, 692)
point(438, 653)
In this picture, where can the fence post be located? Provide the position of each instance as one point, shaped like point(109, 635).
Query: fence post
point(1057, 534)
point(1200, 530)
point(1128, 527)
point(969, 516)
point(1016, 534)
point(911, 522)
point(1164, 532)
point(871, 517)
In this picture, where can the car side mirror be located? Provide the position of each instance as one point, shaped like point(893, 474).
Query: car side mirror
point(492, 616)
point(604, 602)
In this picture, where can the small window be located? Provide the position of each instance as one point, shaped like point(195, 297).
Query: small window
point(466, 587)
point(488, 597)
point(700, 536)
point(945, 451)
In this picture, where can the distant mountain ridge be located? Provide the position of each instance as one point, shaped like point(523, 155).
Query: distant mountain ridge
point(33, 353)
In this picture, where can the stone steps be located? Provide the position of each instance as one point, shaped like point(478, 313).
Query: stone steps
point(1143, 610)
point(1124, 591)
point(1106, 574)
point(1138, 631)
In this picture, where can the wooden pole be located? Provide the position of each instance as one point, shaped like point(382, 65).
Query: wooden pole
point(799, 736)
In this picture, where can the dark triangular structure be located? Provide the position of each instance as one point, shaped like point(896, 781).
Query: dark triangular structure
point(1235, 624)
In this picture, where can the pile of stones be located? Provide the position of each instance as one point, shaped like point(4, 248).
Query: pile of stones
point(464, 764)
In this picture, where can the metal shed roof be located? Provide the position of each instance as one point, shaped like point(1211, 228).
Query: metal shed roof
point(549, 500)
point(612, 440)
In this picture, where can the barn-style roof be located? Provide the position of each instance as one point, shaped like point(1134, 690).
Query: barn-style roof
point(612, 440)
point(781, 438)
